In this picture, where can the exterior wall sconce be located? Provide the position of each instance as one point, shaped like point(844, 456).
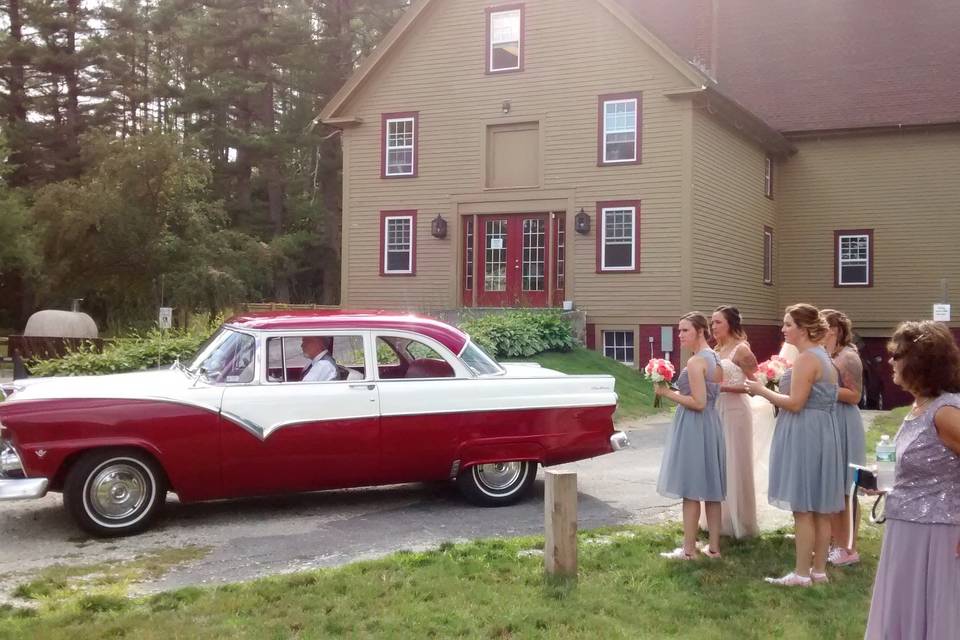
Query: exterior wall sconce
point(505, 107)
point(581, 222)
point(438, 228)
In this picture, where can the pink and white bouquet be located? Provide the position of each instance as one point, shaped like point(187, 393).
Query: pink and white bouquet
point(659, 372)
point(770, 372)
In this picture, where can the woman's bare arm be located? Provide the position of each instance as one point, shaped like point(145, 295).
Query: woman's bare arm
point(851, 376)
point(947, 422)
point(697, 375)
point(802, 378)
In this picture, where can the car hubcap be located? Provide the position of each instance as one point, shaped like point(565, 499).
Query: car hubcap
point(499, 475)
point(118, 491)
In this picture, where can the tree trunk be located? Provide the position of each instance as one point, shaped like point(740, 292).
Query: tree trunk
point(16, 115)
point(73, 86)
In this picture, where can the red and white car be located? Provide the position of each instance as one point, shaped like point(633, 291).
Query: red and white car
point(414, 400)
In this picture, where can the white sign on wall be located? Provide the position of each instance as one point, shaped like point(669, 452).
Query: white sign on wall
point(941, 312)
point(165, 317)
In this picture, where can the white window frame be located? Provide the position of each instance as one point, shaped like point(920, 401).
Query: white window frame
point(841, 261)
point(493, 41)
point(768, 177)
point(767, 256)
point(613, 332)
point(387, 147)
point(636, 123)
point(386, 245)
point(633, 238)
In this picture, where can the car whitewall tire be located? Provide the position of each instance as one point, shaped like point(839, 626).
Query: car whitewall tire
point(114, 492)
point(497, 484)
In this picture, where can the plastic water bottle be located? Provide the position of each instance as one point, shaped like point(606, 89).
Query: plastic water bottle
point(886, 463)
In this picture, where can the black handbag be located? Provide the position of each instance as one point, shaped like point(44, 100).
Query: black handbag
point(866, 479)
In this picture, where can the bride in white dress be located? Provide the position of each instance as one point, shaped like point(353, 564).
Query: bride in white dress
point(763, 424)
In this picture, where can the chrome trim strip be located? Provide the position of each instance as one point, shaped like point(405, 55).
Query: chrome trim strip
point(262, 433)
point(25, 489)
point(249, 426)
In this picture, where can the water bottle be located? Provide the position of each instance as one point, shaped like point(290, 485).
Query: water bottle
point(886, 463)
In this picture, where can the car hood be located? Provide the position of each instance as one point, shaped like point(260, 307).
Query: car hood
point(161, 383)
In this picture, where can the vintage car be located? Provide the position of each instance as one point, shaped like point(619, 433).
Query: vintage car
point(411, 399)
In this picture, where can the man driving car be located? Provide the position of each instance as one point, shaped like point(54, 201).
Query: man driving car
point(322, 365)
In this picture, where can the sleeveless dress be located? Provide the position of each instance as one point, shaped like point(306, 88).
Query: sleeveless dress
point(739, 510)
point(806, 455)
point(852, 436)
point(694, 460)
point(917, 589)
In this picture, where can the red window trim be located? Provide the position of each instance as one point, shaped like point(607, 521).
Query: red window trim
point(613, 204)
point(415, 115)
point(638, 96)
point(409, 213)
point(836, 257)
point(523, 39)
point(767, 255)
point(768, 184)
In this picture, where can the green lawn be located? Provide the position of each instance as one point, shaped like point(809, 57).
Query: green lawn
point(886, 423)
point(635, 393)
point(490, 589)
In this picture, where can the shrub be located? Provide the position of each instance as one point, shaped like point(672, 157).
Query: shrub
point(520, 333)
point(132, 353)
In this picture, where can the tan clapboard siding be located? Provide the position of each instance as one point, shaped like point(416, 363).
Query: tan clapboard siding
point(575, 51)
point(729, 213)
point(905, 186)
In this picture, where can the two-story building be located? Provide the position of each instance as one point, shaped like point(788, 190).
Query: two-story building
point(642, 158)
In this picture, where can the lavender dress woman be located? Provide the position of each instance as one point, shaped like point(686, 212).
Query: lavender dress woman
point(917, 591)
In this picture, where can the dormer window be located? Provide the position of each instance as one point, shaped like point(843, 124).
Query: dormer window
point(505, 38)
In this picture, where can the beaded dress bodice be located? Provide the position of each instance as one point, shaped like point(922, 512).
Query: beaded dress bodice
point(926, 487)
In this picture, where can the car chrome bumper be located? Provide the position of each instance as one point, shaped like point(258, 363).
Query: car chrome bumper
point(22, 488)
point(619, 441)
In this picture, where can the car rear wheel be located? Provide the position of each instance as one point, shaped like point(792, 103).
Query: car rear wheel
point(497, 484)
point(114, 492)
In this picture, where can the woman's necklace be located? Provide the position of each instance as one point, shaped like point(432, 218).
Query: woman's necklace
point(918, 407)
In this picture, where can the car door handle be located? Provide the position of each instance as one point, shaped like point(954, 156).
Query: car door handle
point(369, 386)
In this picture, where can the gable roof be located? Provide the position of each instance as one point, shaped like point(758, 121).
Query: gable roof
point(331, 111)
point(822, 64)
point(701, 85)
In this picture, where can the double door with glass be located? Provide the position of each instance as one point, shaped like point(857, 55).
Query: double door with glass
point(512, 261)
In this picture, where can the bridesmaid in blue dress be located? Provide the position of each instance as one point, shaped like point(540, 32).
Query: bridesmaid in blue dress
point(846, 358)
point(694, 459)
point(806, 456)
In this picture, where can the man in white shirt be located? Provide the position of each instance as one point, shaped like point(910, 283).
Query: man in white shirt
point(321, 366)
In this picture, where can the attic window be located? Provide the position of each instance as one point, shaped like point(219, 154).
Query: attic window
point(505, 38)
point(768, 177)
point(618, 129)
point(399, 133)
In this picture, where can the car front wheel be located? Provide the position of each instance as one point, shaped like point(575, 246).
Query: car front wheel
point(497, 484)
point(114, 492)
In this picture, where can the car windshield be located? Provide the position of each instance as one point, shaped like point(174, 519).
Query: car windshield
point(479, 360)
point(226, 357)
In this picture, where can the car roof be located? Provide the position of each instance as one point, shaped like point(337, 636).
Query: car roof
point(447, 335)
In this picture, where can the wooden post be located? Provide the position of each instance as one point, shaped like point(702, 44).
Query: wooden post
point(560, 523)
